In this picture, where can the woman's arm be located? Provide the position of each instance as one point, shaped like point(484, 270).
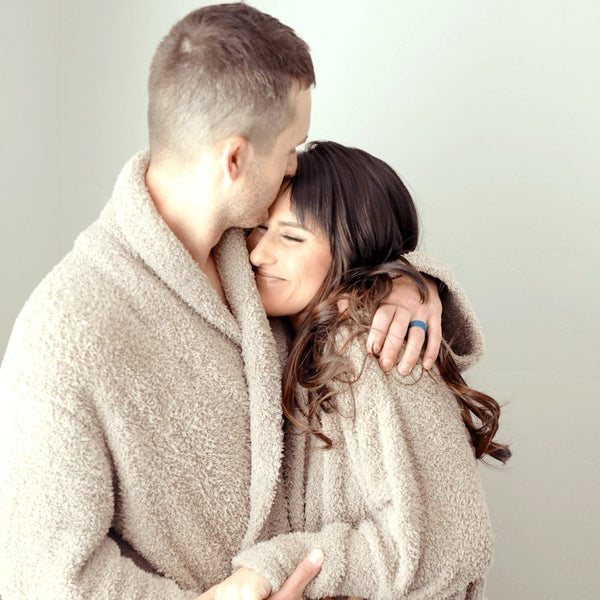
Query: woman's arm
point(425, 525)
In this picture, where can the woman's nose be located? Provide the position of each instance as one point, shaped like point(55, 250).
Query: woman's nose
point(261, 254)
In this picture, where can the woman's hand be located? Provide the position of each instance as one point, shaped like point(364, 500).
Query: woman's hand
point(390, 327)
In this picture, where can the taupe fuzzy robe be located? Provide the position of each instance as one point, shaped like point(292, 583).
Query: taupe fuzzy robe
point(142, 434)
point(396, 504)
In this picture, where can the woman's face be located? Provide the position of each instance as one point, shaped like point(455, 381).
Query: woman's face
point(290, 260)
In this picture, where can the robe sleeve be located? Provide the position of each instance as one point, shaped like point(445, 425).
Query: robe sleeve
point(460, 326)
point(57, 477)
point(57, 510)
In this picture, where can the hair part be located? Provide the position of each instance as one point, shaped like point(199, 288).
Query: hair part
point(227, 69)
point(371, 221)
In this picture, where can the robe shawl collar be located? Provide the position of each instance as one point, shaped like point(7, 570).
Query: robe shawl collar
point(131, 214)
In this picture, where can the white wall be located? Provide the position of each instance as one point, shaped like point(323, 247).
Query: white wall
point(30, 174)
point(490, 111)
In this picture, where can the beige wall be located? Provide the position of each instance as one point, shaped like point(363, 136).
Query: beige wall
point(488, 109)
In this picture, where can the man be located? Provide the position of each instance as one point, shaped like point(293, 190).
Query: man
point(141, 383)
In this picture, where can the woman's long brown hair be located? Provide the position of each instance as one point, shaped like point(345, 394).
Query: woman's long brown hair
point(369, 216)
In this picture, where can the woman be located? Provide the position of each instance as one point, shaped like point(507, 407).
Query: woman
point(384, 475)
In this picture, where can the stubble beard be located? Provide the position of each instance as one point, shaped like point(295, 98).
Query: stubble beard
point(252, 209)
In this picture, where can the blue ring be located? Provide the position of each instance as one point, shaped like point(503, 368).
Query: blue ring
point(420, 324)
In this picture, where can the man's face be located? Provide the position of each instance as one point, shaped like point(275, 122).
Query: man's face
point(269, 169)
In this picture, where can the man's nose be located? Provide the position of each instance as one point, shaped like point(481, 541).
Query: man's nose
point(292, 165)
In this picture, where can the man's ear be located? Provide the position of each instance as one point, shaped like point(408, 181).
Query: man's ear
point(236, 153)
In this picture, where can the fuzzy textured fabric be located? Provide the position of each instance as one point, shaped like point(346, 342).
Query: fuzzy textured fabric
point(142, 439)
point(396, 505)
point(143, 421)
point(460, 326)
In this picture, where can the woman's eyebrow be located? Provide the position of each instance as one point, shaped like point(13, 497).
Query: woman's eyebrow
point(294, 224)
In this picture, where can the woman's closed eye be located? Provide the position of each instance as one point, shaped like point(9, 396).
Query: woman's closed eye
point(292, 238)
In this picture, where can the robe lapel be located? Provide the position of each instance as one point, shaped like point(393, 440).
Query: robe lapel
point(263, 375)
point(131, 214)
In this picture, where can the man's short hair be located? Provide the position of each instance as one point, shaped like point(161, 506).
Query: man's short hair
point(224, 70)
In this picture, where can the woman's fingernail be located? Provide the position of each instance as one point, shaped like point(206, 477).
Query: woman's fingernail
point(386, 364)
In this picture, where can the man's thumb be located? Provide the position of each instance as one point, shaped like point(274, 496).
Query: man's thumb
point(303, 574)
point(309, 567)
point(316, 557)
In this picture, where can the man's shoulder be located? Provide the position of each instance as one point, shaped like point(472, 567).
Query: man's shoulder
point(78, 291)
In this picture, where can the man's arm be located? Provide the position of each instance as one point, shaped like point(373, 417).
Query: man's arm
point(448, 313)
point(57, 507)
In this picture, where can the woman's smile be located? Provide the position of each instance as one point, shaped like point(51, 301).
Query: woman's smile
point(268, 278)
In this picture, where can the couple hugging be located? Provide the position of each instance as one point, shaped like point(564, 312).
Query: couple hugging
point(202, 397)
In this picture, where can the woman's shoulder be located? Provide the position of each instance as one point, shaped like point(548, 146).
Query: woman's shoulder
point(420, 395)
point(351, 344)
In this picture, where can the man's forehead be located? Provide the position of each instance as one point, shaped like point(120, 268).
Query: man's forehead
point(302, 141)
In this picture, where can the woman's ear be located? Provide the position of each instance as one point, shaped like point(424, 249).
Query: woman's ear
point(235, 156)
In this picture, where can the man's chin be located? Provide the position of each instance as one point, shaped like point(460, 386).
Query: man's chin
point(255, 221)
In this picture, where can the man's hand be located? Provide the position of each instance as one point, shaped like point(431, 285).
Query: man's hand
point(305, 572)
point(391, 324)
point(246, 584)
